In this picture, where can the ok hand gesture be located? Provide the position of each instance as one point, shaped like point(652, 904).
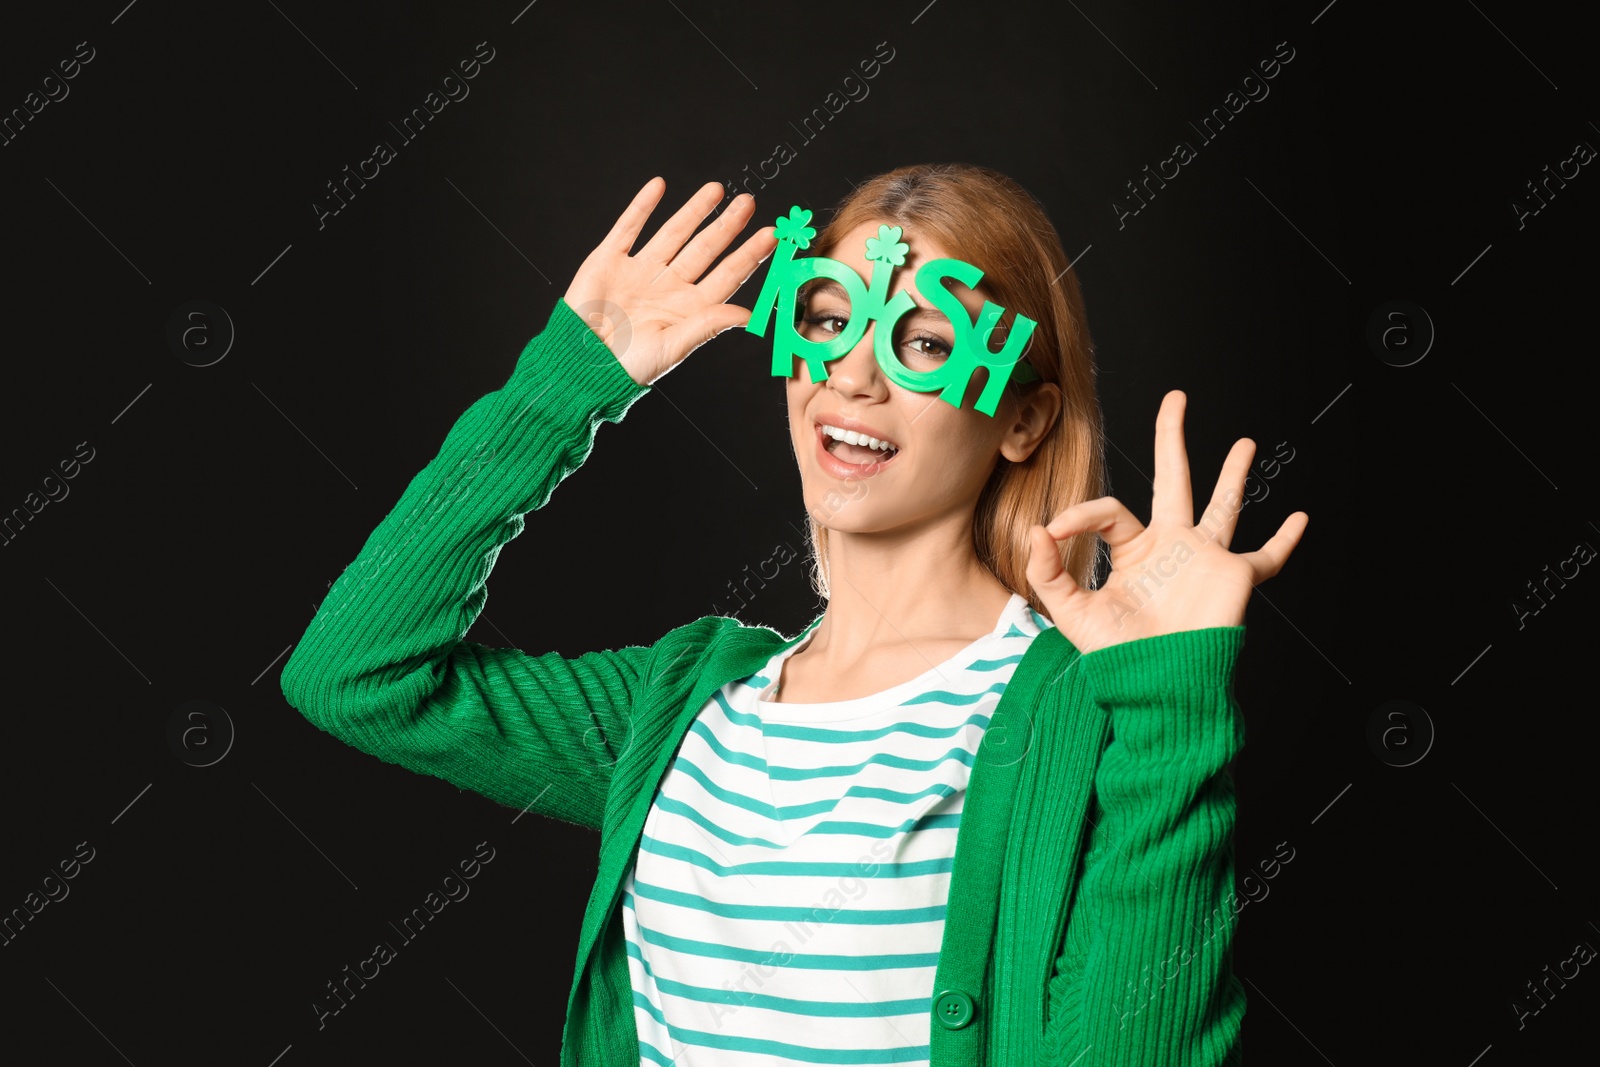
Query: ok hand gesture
point(1171, 575)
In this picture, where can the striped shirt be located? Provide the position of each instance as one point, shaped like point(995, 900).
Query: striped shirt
point(787, 901)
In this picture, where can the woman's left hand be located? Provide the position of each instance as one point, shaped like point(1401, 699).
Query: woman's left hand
point(1171, 575)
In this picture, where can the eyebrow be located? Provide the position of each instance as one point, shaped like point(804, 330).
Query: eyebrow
point(828, 287)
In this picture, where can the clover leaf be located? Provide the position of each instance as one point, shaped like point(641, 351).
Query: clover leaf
point(793, 228)
point(887, 246)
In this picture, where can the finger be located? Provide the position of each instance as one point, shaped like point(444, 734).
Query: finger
point(695, 330)
point(1047, 574)
point(1106, 515)
point(1227, 499)
point(737, 266)
point(1266, 561)
point(676, 230)
point(627, 227)
point(1172, 503)
point(710, 242)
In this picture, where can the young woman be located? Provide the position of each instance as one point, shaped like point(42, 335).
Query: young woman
point(978, 811)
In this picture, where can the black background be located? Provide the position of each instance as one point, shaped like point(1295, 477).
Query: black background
point(221, 500)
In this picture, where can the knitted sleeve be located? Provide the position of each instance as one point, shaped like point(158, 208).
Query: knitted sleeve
point(1145, 972)
point(384, 665)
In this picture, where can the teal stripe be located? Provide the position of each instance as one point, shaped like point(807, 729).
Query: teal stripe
point(944, 696)
point(726, 754)
point(804, 774)
point(813, 733)
point(873, 792)
point(784, 912)
point(655, 1055)
point(689, 768)
point(881, 759)
point(642, 1001)
point(801, 811)
point(993, 664)
point(806, 960)
point(677, 807)
point(804, 1053)
point(792, 732)
point(867, 829)
point(907, 869)
point(833, 1009)
point(673, 806)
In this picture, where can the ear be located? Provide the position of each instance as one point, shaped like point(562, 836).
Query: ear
point(1037, 407)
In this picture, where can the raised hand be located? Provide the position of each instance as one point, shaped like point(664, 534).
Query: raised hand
point(651, 307)
point(1171, 575)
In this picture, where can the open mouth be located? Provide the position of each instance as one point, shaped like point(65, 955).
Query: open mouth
point(854, 452)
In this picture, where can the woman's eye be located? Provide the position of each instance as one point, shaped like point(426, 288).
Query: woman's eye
point(837, 322)
point(931, 347)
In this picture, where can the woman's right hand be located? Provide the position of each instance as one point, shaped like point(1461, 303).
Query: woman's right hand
point(652, 308)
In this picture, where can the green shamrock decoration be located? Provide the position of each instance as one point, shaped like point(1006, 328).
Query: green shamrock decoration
point(793, 228)
point(887, 246)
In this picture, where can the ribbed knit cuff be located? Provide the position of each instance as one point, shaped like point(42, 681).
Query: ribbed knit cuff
point(1153, 671)
point(569, 370)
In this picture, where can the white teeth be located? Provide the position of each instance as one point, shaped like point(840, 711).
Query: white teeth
point(850, 437)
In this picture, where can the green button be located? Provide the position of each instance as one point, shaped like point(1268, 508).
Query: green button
point(953, 1009)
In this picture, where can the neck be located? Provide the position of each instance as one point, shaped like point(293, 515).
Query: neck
point(887, 588)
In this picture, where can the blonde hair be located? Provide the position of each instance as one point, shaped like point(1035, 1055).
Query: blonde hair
point(984, 217)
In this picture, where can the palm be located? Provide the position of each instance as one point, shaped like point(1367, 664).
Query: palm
point(1172, 574)
point(652, 307)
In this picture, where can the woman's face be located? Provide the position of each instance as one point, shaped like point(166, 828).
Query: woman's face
point(943, 455)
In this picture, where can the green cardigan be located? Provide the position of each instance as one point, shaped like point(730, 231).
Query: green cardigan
point(1061, 946)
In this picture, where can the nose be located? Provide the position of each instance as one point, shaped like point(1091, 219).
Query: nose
point(856, 373)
